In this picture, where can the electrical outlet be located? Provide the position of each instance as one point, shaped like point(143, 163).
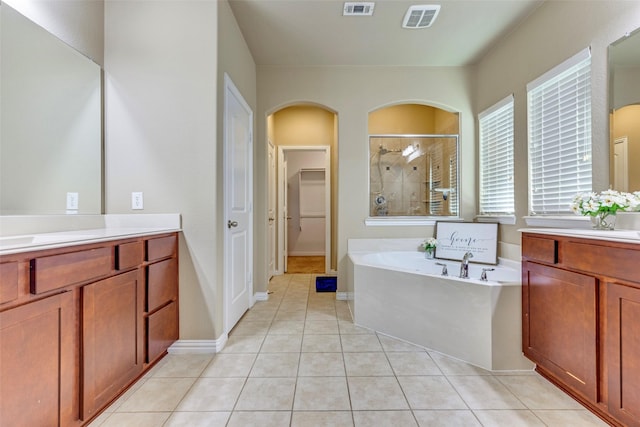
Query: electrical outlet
point(72, 201)
point(137, 201)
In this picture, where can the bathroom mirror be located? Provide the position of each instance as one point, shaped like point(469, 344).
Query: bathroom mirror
point(50, 123)
point(413, 175)
point(624, 107)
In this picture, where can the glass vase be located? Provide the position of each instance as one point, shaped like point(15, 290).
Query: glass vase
point(429, 253)
point(603, 221)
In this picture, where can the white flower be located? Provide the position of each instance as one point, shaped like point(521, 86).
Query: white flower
point(430, 243)
point(608, 201)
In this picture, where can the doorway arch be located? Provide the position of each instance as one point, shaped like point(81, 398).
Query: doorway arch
point(304, 127)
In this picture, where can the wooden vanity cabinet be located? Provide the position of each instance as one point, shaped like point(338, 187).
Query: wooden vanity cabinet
point(581, 320)
point(38, 369)
point(74, 326)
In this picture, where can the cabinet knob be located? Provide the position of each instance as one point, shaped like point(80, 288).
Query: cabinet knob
point(231, 224)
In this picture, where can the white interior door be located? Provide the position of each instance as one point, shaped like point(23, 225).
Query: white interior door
point(285, 211)
point(271, 226)
point(621, 165)
point(238, 189)
point(282, 212)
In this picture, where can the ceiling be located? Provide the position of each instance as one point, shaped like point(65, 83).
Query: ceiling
point(314, 32)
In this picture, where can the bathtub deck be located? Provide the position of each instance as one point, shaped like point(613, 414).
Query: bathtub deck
point(475, 323)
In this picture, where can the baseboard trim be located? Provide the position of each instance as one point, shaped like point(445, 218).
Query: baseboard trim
point(198, 346)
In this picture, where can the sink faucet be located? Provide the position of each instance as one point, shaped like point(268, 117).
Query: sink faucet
point(464, 266)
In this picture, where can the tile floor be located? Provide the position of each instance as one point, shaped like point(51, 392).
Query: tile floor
point(298, 360)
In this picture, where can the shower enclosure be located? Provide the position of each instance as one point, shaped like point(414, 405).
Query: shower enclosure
point(413, 175)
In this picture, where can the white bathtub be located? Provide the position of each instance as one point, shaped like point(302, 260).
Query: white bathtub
point(402, 294)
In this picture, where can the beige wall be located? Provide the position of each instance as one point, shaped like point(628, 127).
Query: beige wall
point(626, 86)
point(542, 41)
point(353, 92)
point(412, 119)
point(80, 24)
point(164, 63)
point(402, 119)
point(235, 60)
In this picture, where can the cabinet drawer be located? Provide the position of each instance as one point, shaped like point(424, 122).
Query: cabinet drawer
point(161, 247)
point(162, 330)
point(602, 260)
point(540, 249)
point(8, 281)
point(162, 283)
point(129, 255)
point(57, 271)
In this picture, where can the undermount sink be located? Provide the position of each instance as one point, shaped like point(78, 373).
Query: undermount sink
point(40, 239)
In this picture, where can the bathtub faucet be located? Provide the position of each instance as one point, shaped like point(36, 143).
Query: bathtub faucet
point(444, 269)
point(483, 275)
point(464, 267)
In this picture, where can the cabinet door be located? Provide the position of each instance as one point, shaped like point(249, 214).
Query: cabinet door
point(113, 337)
point(623, 352)
point(38, 375)
point(559, 325)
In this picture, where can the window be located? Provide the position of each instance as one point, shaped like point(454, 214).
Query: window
point(559, 114)
point(496, 159)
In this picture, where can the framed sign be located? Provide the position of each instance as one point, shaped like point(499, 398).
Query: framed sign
point(457, 238)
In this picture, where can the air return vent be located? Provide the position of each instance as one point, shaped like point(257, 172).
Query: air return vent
point(420, 16)
point(358, 8)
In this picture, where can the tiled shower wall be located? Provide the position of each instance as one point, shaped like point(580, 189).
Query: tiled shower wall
point(407, 183)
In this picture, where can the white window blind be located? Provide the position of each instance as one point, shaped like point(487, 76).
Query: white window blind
point(496, 159)
point(559, 115)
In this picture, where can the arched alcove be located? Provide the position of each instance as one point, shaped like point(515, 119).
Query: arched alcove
point(305, 133)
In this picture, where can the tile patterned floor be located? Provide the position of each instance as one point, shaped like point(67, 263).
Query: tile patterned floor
point(298, 360)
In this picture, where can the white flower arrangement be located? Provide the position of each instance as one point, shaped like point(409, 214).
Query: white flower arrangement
point(430, 244)
point(605, 203)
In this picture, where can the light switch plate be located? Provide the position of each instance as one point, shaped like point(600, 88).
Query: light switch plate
point(72, 201)
point(137, 201)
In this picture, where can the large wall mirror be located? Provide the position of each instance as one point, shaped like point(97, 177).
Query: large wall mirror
point(624, 105)
point(50, 123)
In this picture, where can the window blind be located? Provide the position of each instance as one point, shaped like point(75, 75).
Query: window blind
point(496, 159)
point(559, 126)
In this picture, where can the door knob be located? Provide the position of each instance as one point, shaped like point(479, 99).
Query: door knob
point(271, 219)
point(232, 224)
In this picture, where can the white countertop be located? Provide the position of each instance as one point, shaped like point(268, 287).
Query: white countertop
point(626, 236)
point(115, 227)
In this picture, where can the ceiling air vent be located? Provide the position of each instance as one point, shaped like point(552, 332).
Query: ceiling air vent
point(358, 8)
point(420, 16)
